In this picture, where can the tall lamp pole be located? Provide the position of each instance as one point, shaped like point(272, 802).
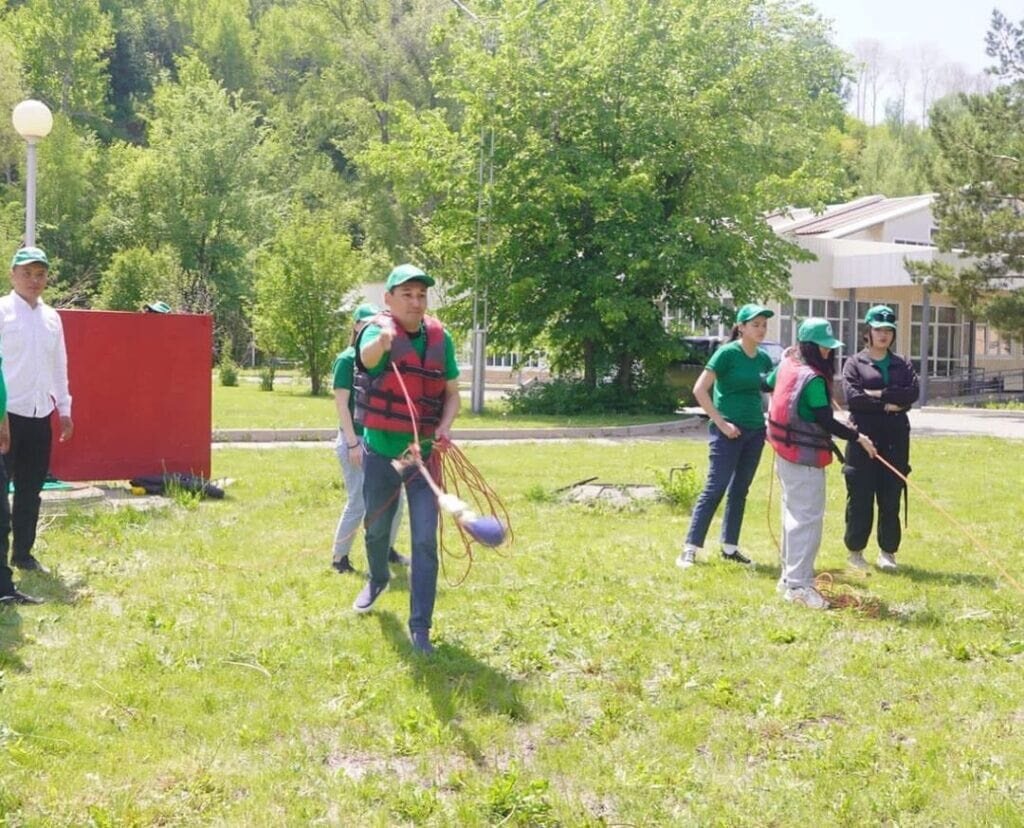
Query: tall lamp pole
point(32, 121)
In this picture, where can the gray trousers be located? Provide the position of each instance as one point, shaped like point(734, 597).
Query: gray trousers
point(803, 514)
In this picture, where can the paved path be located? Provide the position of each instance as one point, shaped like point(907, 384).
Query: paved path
point(968, 422)
point(923, 421)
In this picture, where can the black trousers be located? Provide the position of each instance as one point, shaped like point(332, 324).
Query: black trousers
point(868, 483)
point(26, 464)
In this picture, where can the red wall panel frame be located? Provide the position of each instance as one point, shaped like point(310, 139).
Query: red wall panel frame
point(141, 395)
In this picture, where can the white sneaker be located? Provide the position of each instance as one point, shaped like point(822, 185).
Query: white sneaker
point(886, 561)
point(687, 558)
point(856, 560)
point(808, 596)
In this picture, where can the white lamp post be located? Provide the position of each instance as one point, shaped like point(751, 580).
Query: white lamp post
point(32, 121)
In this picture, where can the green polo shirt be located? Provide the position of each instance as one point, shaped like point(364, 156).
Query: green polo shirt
point(344, 371)
point(737, 389)
point(394, 443)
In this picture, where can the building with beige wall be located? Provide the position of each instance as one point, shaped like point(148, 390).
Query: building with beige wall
point(862, 248)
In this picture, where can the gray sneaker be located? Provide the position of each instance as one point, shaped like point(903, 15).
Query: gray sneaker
point(886, 561)
point(687, 558)
point(369, 594)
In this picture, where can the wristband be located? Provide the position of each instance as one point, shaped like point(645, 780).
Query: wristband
point(354, 445)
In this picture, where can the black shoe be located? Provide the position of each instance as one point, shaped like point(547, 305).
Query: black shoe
point(30, 564)
point(16, 596)
point(368, 595)
point(421, 642)
point(735, 557)
point(397, 558)
point(343, 566)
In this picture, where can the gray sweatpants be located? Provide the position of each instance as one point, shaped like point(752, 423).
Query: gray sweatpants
point(803, 513)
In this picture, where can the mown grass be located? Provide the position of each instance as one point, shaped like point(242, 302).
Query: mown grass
point(201, 665)
point(290, 405)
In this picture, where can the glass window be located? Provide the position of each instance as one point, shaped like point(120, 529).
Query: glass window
point(945, 339)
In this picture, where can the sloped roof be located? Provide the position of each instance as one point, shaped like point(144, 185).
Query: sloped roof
point(841, 220)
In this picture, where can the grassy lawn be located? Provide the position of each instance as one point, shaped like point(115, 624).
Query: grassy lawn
point(290, 405)
point(201, 665)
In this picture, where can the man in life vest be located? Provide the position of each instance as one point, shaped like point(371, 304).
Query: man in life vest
point(404, 339)
point(800, 429)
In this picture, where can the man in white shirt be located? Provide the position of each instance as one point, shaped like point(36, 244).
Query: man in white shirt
point(35, 369)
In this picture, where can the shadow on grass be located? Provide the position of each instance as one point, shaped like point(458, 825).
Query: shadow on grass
point(453, 678)
point(50, 587)
point(948, 578)
point(11, 639)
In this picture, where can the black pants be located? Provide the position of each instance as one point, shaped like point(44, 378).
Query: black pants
point(868, 482)
point(26, 463)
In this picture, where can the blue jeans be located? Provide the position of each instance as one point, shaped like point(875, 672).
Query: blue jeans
point(732, 466)
point(382, 486)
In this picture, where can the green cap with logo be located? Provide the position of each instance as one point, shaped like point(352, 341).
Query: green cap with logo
point(365, 311)
point(818, 331)
point(406, 273)
point(748, 312)
point(27, 255)
point(880, 316)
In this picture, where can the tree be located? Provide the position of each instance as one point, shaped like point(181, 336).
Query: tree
point(636, 149)
point(302, 279)
point(64, 46)
point(980, 180)
point(198, 190)
point(137, 276)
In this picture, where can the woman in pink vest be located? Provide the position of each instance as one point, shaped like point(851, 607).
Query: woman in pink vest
point(800, 429)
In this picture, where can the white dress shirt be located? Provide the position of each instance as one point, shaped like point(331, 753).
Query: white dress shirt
point(35, 360)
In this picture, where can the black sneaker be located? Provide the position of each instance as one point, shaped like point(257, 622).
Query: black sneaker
point(343, 566)
point(29, 564)
point(16, 596)
point(421, 642)
point(368, 595)
point(396, 557)
point(736, 557)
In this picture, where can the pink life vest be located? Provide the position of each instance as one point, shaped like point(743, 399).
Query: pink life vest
point(795, 439)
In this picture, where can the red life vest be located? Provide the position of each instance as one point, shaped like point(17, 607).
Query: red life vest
point(380, 402)
point(794, 439)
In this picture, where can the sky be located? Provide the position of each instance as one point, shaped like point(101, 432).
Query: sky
point(956, 27)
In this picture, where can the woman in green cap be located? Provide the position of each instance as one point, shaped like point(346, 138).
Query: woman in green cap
point(729, 391)
point(349, 448)
point(800, 428)
point(879, 387)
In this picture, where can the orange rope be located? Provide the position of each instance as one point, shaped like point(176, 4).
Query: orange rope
point(448, 462)
point(956, 523)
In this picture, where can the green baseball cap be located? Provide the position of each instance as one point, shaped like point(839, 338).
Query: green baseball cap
point(27, 255)
point(364, 312)
point(818, 331)
point(406, 273)
point(880, 316)
point(748, 312)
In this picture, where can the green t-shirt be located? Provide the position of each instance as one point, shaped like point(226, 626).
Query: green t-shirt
point(814, 395)
point(344, 377)
point(737, 389)
point(883, 367)
point(394, 443)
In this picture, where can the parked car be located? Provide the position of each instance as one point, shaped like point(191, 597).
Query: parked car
point(774, 350)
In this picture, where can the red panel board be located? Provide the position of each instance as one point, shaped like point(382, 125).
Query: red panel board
point(140, 388)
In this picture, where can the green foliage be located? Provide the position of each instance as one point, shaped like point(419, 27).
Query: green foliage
point(64, 46)
point(566, 396)
point(679, 486)
point(137, 276)
point(636, 148)
point(895, 161)
point(979, 177)
point(302, 278)
point(227, 368)
point(267, 373)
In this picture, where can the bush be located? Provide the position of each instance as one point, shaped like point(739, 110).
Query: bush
point(680, 486)
point(267, 377)
point(228, 372)
point(565, 396)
